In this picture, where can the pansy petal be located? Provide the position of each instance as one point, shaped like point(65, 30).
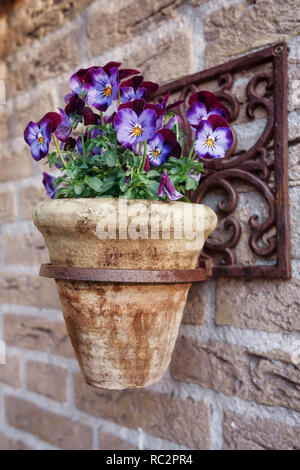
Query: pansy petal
point(31, 132)
point(195, 113)
point(134, 82)
point(141, 93)
point(204, 130)
point(207, 97)
point(147, 120)
point(200, 147)
point(216, 151)
point(156, 142)
point(127, 94)
point(217, 121)
point(36, 150)
point(46, 130)
point(54, 118)
point(124, 73)
point(150, 87)
point(223, 136)
point(114, 81)
point(124, 116)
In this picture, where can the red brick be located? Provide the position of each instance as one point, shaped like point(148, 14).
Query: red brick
point(58, 430)
point(47, 379)
point(37, 333)
point(27, 248)
point(244, 433)
point(184, 421)
point(28, 290)
point(270, 378)
point(108, 441)
point(7, 206)
point(6, 443)
point(10, 373)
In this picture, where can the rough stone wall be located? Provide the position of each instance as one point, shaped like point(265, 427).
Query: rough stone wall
point(232, 383)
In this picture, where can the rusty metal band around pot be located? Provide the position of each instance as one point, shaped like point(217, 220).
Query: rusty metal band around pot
point(122, 275)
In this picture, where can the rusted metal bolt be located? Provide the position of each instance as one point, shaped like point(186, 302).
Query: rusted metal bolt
point(278, 49)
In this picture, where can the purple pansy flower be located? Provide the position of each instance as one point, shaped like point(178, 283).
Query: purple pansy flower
point(76, 109)
point(157, 151)
point(166, 188)
point(38, 137)
point(64, 129)
point(162, 145)
point(102, 88)
point(162, 108)
point(48, 182)
point(197, 111)
point(212, 141)
point(210, 101)
point(136, 88)
point(134, 124)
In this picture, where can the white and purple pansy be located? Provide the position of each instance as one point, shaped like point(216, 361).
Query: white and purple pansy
point(38, 137)
point(157, 150)
point(136, 88)
point(197, 111)
point(48, 182)
point(134, 124)
point(210, 101)
point(212, 140)
point(101, 87)
point(163, 144)
point(166, 188)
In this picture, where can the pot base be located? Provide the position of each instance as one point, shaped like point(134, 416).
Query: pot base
point(123, 334)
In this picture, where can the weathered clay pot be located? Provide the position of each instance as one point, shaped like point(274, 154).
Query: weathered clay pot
point(123, 334)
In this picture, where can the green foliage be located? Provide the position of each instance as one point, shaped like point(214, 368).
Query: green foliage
point(106, 169)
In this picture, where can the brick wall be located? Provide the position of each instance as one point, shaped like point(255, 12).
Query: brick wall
point(232, 383)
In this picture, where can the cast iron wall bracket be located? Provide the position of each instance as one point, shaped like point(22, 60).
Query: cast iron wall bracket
point(254, 167)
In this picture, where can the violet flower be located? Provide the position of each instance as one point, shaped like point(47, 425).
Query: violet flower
point(210, 101)
point(162, 145)
point(136, 88)
point(197, 111)
point(102, 88)
point(38, 137)
point(212, 141)
point(64, 129)
point(48, 182)
point(162, 108)
point(77, 110)
point(134, 124)
point(166, 188)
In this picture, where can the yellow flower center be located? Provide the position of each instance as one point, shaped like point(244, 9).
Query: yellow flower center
point(107, 91)
point(155, 153)
point(137, 130)
point(210, 141)
point(41, 138)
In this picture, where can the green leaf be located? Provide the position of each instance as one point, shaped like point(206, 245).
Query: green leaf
point(94, 183)
point(110, 159)
point(78, 189)
point(191, 184)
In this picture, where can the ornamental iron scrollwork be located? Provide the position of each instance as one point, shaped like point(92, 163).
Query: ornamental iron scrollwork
point(262, 167)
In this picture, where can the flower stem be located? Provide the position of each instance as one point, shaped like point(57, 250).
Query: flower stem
point(59, 151)
point(82, 142)
point(144, 157)
point(102, 118)
point(177, 128)
point(119, 97)
point(183, 144)
point(192, 150)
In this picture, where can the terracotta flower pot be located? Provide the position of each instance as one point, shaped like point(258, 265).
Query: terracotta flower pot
point(123, 334)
